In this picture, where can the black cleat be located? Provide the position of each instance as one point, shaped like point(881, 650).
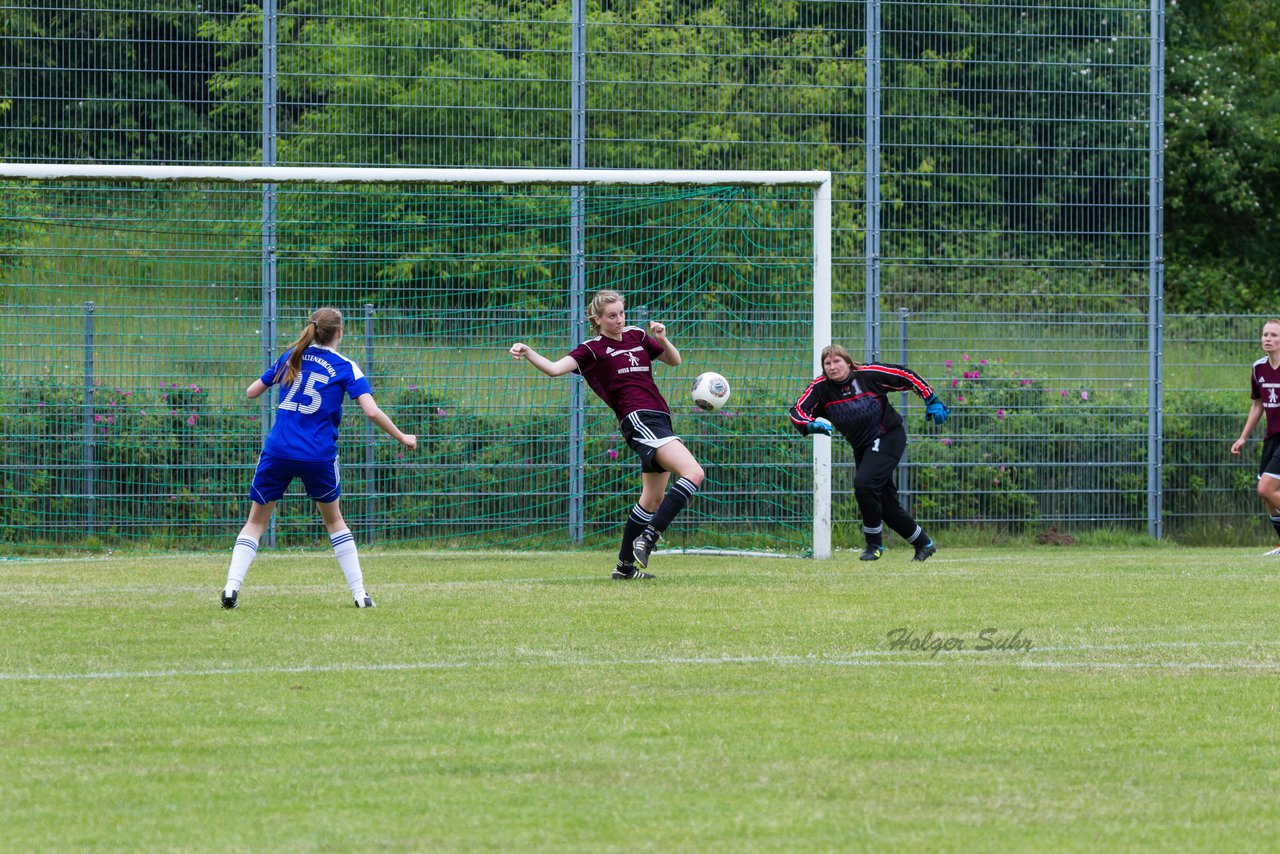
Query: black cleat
point(643, 545)
point(365, 602)
point(630, 573)
point(925, 552)
point(231, 600)
point(871, 553)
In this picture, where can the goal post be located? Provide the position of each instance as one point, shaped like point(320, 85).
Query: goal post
point(166, 251)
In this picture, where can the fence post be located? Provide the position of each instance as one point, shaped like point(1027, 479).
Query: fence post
point(871, 339)
point(1155, 280)
point(577, 271)
point(905, 398)
point(370, 438)
point(88, 474)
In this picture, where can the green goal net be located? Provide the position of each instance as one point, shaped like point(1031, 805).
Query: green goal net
point(136, 312)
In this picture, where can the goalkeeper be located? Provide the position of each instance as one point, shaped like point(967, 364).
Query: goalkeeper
point(853, 399)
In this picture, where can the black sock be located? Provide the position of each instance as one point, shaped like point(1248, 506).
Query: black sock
point(672, 503)
point(637, 519)
point(875, 536)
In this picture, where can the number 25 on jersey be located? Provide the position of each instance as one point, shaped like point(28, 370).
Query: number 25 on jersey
point(309, 392)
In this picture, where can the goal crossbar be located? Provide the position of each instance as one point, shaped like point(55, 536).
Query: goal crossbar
point(416, 175)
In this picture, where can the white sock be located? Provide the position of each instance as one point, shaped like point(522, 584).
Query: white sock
point(241, 556)
point(344, 548)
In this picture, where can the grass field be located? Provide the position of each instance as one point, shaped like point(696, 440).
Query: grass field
point(506, 702)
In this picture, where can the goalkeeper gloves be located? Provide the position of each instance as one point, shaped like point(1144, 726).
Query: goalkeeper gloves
point(935, 410)
point(820, 425)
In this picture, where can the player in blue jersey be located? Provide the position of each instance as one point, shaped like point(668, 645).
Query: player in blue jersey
point(617, 364)
point(1264, 389)
point(313, 378)
point(853, 400)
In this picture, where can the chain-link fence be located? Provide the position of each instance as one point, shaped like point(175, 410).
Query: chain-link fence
point(997, 185)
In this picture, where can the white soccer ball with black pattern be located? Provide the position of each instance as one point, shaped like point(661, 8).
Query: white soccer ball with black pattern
point(710, 391)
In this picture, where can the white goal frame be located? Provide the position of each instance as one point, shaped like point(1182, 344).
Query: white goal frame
point(819, 181)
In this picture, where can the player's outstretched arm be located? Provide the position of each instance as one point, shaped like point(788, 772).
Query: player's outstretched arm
point(255, 390)
point(375, 414)
point(566, 365)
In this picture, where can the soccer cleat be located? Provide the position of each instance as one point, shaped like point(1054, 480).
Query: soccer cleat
point(925, 552)
point(1273, 553)
point(629, 573)
point(365, 602)
point(230, 600)
point(871, 553)
point(643, 545)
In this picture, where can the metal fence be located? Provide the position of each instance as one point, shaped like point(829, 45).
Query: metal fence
point(998, 186)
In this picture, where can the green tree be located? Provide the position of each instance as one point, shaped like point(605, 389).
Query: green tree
point(1223, 164)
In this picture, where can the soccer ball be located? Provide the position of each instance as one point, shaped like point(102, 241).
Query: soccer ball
point(710, 391)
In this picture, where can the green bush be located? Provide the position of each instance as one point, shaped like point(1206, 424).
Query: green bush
point(165, 467)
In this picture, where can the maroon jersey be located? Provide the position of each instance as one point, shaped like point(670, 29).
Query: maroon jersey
point(1264, 385)
point(620, 372)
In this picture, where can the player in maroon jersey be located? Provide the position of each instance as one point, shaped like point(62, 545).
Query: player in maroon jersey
point(853, 399)
point(1264, 389)
point(617, 364)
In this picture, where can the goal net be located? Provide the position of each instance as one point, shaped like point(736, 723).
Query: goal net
point(140, 302)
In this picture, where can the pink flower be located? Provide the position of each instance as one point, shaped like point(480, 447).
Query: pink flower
point(955, 383)
point(41, 403)
point(946, 441)
point(999, 414)
point(982, 361)
point(1084, 395)
point(1063, 393)
point(964, 357)
point(612, 453)
point(111, 419)
point(97, 419)
point(1026, 382)
point(164, 385)
point(947, 364)
point(191, 421)
point(960, 398)
point(442, 413)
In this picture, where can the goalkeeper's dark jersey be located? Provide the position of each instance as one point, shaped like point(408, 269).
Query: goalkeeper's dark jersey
point(858, 407)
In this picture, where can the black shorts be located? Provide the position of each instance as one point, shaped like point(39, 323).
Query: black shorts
point(1270, 463)
point(647, 430)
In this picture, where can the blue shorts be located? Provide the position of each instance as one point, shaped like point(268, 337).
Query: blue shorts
point(274, 474)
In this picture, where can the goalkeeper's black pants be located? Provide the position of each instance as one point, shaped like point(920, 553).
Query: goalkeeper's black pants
point(875, 490)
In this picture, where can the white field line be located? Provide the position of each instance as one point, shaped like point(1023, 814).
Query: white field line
point(32, 585)
point(866, 658)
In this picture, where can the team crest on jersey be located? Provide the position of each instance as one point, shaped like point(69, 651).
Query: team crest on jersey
point(629, 353)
